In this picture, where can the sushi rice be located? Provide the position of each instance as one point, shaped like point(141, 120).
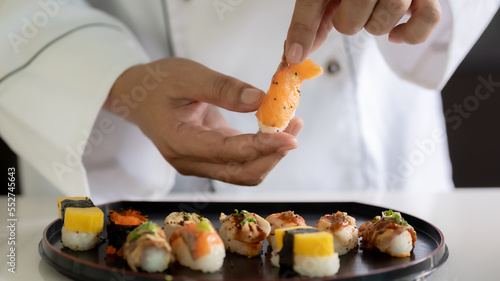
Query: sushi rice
point(312, 266)
point(155, 259)
point(208, 263)
point(79, 240)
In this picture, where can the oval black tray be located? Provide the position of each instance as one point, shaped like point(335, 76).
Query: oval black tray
point(429, 253)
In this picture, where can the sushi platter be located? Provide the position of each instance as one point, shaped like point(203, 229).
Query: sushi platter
point(428, 253)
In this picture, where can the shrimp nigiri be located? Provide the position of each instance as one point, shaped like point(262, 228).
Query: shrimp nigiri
point(282, 99)
point(179, 219)
point(282, 220)
point(198, 246)
point(147, 248)
point(343, 228)
point(389, 234)
point(243, 232)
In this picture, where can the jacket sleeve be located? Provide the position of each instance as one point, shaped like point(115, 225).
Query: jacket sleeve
point(432, 63)
point(58, 63)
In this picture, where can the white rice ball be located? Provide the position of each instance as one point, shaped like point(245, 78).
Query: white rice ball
point(207, 263)
point(155, 259)
point(312, 266)
point(268, 129)
point(78, 240)
point(401, 245)
point(316, 266)
point(345, 239)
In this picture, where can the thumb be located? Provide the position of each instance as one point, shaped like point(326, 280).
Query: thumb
point(193, 81)
point(232, 94)
point(306, 19)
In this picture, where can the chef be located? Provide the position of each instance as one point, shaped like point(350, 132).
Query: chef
point(93, 102)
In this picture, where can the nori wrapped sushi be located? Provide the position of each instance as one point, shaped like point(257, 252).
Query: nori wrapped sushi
point(119, 225)
point(77, 202)
point(306, 250)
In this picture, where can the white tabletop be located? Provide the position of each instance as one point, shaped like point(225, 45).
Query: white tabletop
point(468, 218)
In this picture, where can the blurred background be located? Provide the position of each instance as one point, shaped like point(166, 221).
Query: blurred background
point(472, 117)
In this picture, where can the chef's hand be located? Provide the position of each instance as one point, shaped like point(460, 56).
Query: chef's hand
point(312, 20)
point(178, 113)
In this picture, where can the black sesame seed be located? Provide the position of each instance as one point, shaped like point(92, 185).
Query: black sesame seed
point(274, 98)
point(284, 107)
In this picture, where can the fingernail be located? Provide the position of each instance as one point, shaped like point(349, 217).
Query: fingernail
point(294, 54)
point(284, 149)
point(250, 96)
point(393, 38)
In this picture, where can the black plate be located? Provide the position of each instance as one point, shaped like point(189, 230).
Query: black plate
point(430, 250)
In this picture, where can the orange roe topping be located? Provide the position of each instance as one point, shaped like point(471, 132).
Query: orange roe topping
point(127, 217)
point(111, 250)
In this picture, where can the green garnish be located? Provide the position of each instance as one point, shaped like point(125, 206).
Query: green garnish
point(240, 213)
point(249, 219)
point(147, 227)
point(186, 215)
point(394, 216)
point(388, 213)
point(204, 226)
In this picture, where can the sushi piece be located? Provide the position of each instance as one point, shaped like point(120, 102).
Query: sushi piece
point(147, 248)
point(79, 201)
point(282, 99)
point(244, 232)
point(119, 225)
point(307, 250)
point(343, 228)
point(388, 233)
point(282, 220)
point(81, 228)
point(177, 220)
point(198, 246)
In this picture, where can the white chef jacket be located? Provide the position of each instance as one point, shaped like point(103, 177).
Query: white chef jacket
point(374, 121)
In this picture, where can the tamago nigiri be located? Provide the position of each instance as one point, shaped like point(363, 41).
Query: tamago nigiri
point(282, 99)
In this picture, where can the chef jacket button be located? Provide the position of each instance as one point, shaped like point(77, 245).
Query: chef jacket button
point(333, 67)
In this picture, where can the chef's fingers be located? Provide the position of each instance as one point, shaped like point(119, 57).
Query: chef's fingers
point(243, 173)
point(352, 15)
point(215, 146)
point(213, 119)
point(306, 19)
point(386, 15)
point(296, 124)
point(325, 25)
point(199, 83)
point(425, 15)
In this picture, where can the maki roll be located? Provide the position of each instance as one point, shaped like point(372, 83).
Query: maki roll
point(306, 250)
point(343, 228)
point(147, 248)
point(282, 220)
point(81, 228)
point(198, 246)
point(177, 220)
point(388, 233)
point(244, 232)
point(119, 225)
